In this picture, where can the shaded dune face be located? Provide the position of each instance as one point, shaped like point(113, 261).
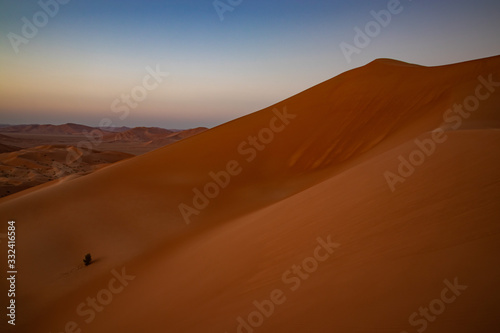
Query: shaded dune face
point(260, 190)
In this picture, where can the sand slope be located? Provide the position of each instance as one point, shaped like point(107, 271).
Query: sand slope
point(395, 252)
point(321, 174)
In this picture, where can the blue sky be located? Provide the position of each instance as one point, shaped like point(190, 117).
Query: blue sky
point(91, 53)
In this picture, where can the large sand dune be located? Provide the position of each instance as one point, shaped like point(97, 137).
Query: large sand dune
point(313, 166)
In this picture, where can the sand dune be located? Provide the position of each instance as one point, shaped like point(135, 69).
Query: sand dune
point(176, 136)
point(153, 136)
point(66, 129)
point(309, 167)
point(9, 139)
point(136, 141)
point(24, 168)
point(395, 252)
point(7, 148)
point(48, 151)
point(139, 134)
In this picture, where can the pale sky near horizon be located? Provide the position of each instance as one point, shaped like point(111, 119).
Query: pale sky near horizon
point(86, 55)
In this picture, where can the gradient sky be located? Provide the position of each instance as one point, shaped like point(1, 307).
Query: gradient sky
point(91, 52)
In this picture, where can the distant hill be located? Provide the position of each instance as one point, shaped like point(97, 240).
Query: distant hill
point(177, 136)
point(139, 134)
point(8, 139)
point(153, 135)
point(150, 135)
point(65, 129)
point(8, 148)
point(115, 129)
point(21, 169)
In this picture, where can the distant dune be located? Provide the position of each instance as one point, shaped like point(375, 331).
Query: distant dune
point(153, 135)
point(139, 134)
point(175, 136)
point(368, 203)
point(66, 129)
point(10, 139)
point(137, 139)
point(7, 148)
point(44, 150)
point(24, 168)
